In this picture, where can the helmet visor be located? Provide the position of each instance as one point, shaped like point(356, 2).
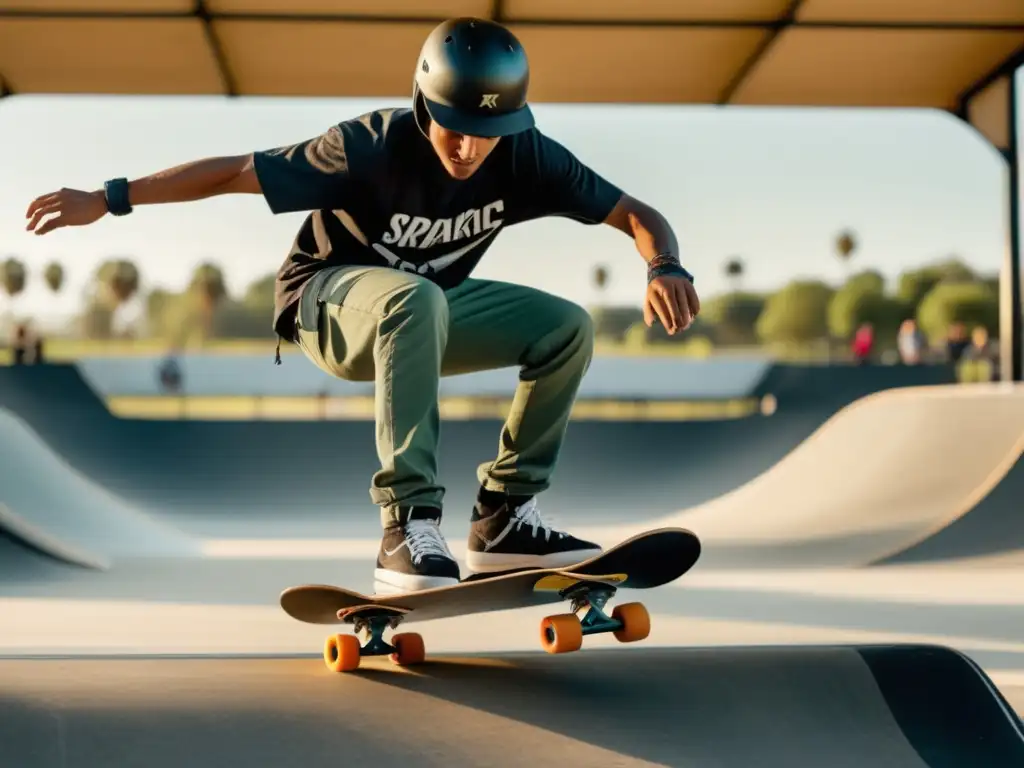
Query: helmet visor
point(477, 124)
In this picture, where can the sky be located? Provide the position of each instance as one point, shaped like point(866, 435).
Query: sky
point(770, 186)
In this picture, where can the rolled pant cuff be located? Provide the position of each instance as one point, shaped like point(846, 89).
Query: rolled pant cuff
point(391, 512)
point(513, 487)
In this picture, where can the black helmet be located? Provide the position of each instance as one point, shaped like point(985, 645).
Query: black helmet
point(471, 77)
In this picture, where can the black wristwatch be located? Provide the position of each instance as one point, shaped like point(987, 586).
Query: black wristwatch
point(115, 192)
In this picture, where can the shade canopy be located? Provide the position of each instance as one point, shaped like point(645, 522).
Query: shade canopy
point(866, 53)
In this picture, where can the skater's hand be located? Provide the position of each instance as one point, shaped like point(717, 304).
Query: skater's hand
point(67, 208)
point(673, 300)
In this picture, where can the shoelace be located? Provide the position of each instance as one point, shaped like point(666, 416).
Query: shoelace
point(424, 537)
point(528, 514)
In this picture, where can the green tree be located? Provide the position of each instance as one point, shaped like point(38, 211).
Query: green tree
point(734, 316)
point(260, 293)
point(613, 322)
point(96, 320)
point(869, 279)
point(699, 328)
point(797, 313)
point(862, 301)
point(159, 312)
point(913, 285)
point(636, 336)
point(237, 320)
point(968, 303)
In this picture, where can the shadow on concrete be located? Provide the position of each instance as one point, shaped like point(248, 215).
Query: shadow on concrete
point(845, 707)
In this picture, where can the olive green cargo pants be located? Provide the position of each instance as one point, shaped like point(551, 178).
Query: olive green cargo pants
point(402, 332)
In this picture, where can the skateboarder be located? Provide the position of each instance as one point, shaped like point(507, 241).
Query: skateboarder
point(404, 202)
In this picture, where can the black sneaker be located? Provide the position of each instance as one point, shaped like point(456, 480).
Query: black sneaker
point(415, 556)
point(515, 536)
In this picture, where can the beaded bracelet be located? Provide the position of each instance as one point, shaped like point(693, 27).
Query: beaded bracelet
point(666, 264)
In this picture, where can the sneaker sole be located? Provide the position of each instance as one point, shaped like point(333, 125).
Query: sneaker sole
point(390, 582)
point(487, 562)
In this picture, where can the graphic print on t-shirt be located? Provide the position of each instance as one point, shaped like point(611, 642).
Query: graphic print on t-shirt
point(406, 231)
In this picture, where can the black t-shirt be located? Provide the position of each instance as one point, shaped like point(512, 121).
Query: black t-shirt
point(379, 196)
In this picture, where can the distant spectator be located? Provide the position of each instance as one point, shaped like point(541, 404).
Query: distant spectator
point(911, 343)
point(19, 345)
point(170, 375)
point(979, 361)
point(863, 343)
point(956, 342)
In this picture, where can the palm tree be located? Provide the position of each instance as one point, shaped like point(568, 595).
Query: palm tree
point(54, 276)
point(14, 276)
point(209, 289)
point(846, 245)
point(118, 282)
point(734, 271)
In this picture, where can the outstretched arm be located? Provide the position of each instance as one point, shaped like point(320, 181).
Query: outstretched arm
point(183, 183)
point(671, 296)
point(650, 230)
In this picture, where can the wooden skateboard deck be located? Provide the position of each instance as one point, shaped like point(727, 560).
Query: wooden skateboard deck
point(644, 561)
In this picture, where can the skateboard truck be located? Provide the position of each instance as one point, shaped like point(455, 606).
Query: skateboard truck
point(564, 633)
point(594, 599)
point(342, 653)
point(373, 626)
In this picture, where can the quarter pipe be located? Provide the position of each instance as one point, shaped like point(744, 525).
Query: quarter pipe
point(50, 507)
point(890, 474)
point(993, 530)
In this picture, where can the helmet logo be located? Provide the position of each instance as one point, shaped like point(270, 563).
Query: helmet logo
point(489, 100)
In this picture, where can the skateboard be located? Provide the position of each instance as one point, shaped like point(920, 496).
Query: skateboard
point(644, 561)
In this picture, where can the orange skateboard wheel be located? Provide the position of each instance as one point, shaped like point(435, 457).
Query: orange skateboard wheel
point(561, 634)
point(410, 649)
point(341, 653)
point(636, 622)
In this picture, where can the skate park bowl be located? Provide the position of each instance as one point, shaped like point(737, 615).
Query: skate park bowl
point(835, 615)
point(215, 475)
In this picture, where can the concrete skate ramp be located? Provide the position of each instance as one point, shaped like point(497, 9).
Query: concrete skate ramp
point(803, 707)
point(607, 470)
point(50, 507)
point(882, 475)
point(993, 530)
